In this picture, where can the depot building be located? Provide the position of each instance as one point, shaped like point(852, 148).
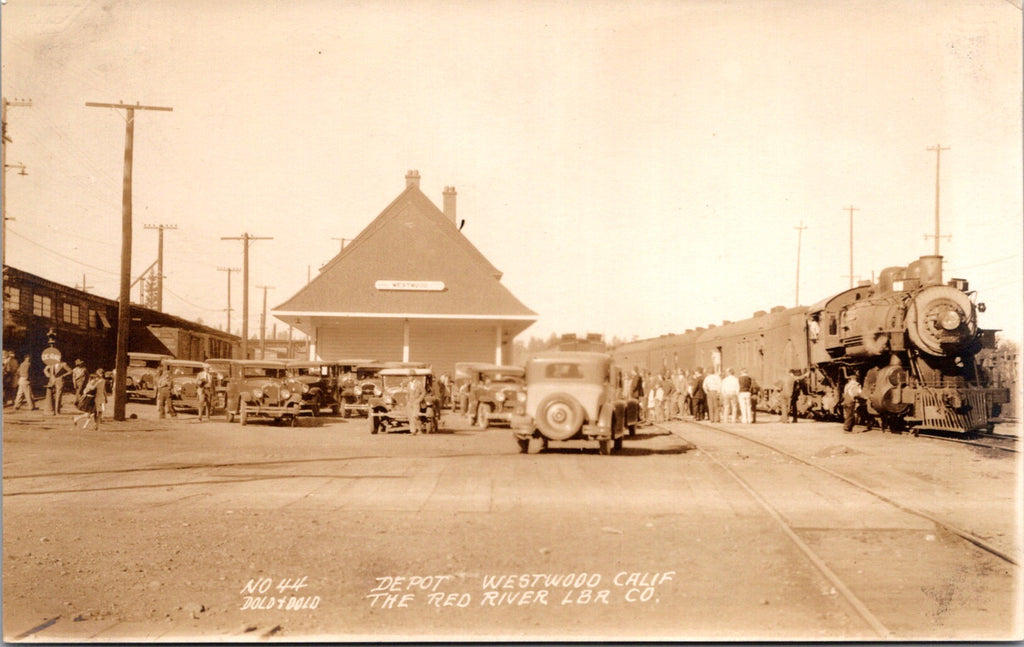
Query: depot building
point(410, 287)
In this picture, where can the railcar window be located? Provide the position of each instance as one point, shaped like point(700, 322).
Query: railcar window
point(12, 298)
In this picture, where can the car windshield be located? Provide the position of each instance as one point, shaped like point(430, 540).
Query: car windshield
point(307, 370)
point(366, 373)
point(262, 371)
point(398, 381)
point(185, 370)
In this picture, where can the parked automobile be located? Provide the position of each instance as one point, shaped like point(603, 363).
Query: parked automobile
point(388, 411)
point(262, 389)
point(572, 395)
point(184, 383)
point(493, 391)
point(222, 369)
point(320, 384)
point(363, 382)
point(140, 378)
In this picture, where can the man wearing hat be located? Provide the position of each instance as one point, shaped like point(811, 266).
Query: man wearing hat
point(56, 379)
point(79, 377)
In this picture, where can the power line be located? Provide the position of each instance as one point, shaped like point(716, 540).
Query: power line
point(56, 253)
point(245, 238)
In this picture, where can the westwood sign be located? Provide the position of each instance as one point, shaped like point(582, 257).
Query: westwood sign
point(416, 286)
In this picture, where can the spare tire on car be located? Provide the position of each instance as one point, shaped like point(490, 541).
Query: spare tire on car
point(559, 416)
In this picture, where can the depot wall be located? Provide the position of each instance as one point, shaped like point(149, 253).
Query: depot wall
point(441, 343)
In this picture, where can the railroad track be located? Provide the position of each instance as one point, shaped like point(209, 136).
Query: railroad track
point(1000, 442)
point(860, 608)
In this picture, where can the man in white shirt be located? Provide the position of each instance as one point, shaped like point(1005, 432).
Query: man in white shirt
point(731, 396)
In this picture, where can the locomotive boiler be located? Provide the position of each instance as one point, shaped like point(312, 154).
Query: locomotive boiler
point(909, 337)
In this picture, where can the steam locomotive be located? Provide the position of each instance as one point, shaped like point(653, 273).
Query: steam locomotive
point(910, 338)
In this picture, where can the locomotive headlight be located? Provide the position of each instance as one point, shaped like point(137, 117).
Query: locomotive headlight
point(950, 320)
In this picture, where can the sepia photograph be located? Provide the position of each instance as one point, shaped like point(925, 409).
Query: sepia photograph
point(562, 321)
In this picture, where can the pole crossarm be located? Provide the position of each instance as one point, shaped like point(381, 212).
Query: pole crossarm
point(126, 106)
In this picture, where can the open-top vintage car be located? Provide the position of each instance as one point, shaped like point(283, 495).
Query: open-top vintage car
point(389, 410)
point(140, 378)
point(363, 383)
point(184, 382)
point(572, 395)
point(320, 384)
point(494, 391)
point(263, 389)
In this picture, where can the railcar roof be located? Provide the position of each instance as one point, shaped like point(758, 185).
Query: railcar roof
point(570, 355)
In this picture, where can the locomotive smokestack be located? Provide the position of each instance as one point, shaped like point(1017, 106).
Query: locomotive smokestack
point(931, 270)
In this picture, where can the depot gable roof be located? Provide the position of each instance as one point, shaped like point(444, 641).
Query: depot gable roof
point(410, 260)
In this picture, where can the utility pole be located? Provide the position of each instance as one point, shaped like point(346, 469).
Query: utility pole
point(263, 321)
point(160, 264)
point(229, 270)
point(4, 140)
point(245, 238)
point(84, 287)
point(851, 210)
point(799, 236)
point(124, 318)
point(343, 241)
point(938, 154)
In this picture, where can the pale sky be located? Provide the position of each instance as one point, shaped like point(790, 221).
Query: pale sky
point(634, 168)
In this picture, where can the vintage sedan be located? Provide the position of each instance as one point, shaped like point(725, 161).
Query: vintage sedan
point(263, 389)
point(389, 410)
point(140, 378)
point(494, 391)
point(184, 382)
point(574, 395)
point(319, 382)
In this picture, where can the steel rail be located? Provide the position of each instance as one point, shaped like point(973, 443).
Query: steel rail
point(851, 598)
point(959, 532)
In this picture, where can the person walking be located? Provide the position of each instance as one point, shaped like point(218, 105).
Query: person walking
point(699, 397)
point(96, 390)
point(10, 376)
point(56, 380)
point(851, 394)
point(713, 393)
point(416, 393)
point(204, 393)
point(731, 396)
point(791, 394)
point(164, 406)
point(24, 385)
point(746, 382)
point(79, 377)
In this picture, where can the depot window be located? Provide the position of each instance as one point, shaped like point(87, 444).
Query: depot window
point(42, 306)
point(72, 314)
point(12, 298)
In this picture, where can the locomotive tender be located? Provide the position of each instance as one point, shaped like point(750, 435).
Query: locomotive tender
point(909, 337)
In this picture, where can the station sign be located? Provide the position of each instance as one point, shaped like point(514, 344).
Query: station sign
point(50, 356)
point(416, 286)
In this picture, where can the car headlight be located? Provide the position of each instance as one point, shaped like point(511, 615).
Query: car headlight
point(376, 392)
point(305, 388)
point(521, 396)
point(257, 394)
point(285, 393)
point(389, 401)
point(499, 396)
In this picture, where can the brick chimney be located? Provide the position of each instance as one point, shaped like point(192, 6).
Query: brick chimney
point(449, 203)
point(412, 178)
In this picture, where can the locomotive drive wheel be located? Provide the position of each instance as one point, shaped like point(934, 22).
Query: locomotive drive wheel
point(559, 416)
